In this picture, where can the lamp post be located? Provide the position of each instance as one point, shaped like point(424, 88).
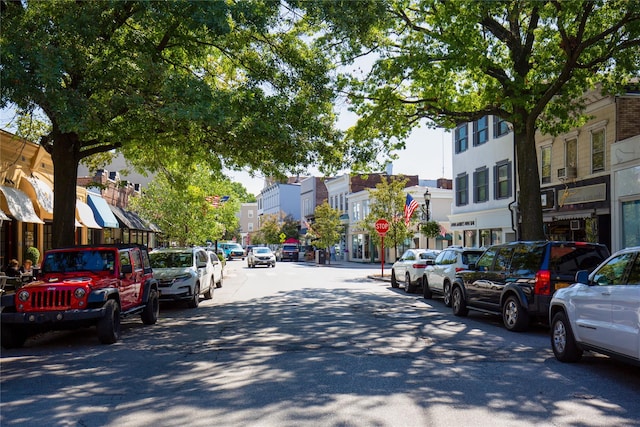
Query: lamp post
point(425, 214)
point(427, 201)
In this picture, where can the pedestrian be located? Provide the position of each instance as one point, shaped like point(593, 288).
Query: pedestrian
point(13, 269)
point(332, 252)
point(27, 267)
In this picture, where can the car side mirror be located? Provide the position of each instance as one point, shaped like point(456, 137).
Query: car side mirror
point(202, 264)
point(582, 276)
point(126, 269)
point(472, 266)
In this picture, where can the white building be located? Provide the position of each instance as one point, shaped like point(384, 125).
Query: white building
point(483, 183)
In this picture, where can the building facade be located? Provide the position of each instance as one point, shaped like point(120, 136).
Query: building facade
point(483, 183)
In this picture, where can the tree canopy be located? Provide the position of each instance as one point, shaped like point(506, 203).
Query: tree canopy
point(187, 205)
point(233, 84)
point(450, 62)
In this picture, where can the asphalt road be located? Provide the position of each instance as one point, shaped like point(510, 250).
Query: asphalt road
point(306, 345)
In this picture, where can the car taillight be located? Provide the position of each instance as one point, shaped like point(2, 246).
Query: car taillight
point(543, 283)
point(419, 265)
point(460, 269)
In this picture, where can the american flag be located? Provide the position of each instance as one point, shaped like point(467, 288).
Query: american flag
point(409, 206)
point(215, 201)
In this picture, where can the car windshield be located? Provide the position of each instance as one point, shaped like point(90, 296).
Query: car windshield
point(85, 260)
point(261, 250)
point(171, 259)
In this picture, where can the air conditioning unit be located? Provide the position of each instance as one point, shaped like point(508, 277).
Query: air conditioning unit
point(567, 172)
point(574, 224)
point(562, 173)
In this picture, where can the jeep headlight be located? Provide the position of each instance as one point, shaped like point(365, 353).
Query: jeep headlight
point(80, 293)
point(23, 296)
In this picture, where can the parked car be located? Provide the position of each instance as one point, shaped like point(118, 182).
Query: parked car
point(410, 268)
point(440, 273)
point(183, 274)
point(518, 279)
point(217, 268)
point(600, 312)
point(261, 255)
point(288, 251)
point(232, 250)
point(81, 286)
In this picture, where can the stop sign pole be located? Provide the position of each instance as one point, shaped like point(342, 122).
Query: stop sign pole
point(382, 226)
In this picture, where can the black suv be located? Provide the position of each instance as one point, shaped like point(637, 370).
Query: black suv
point(518, 279)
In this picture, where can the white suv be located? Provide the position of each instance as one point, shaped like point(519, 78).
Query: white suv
point(439, 273)
point(600, 313)
point(409, 268)
point(183, 274)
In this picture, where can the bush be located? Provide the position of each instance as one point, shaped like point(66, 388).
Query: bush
point(33, 254)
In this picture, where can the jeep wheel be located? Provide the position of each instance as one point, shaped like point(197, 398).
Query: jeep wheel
point(13, 337)
point(194, 302)
point(562, 341)
point(109, 326)
point(446, 294)
point(514, 316)
point(152, 309)
point(394, 282)
point(458, 303)
point(408, 287)
point(426, 292)
point(209, 293)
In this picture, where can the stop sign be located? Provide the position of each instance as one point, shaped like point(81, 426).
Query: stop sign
point(382, 226)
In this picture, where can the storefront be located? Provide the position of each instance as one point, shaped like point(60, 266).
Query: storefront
point(625, 189)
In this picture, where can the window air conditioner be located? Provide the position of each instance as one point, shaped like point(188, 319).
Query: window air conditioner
point(562, 173)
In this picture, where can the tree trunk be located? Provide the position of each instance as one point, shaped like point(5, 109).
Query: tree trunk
point(65, 155)
point(529, 202)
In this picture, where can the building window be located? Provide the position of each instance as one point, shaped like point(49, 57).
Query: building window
point(462, 190)
point(571, 153)
point(250, 213)
point(481, 185)
point(250, 226)
point(481, 131)
point(597, 150)
point(500, 127)
point(545, 161)
point(461, 136)
point(502, 177)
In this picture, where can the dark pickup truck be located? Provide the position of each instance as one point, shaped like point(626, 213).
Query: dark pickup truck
point(83, 286)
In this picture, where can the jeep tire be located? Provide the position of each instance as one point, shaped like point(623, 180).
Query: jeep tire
point(108, 326)
point(152, 309)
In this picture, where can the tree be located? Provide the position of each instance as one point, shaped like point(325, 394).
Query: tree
point(527, 62)
point(234, 84)
point(270, 229)
point(290, 227)
point(387, 201)
point(326, 228)
point(185, 205)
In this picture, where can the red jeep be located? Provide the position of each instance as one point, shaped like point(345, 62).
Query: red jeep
point(83, 286)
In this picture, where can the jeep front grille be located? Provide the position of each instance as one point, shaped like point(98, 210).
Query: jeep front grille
point(51, 299)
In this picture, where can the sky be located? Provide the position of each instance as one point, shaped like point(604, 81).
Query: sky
point(428, 154)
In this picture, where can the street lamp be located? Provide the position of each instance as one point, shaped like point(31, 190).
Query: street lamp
point(427, 201)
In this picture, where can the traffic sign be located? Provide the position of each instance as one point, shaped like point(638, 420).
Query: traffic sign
point(382, 226)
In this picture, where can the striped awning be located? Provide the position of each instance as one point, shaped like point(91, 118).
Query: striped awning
point(20, 205)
